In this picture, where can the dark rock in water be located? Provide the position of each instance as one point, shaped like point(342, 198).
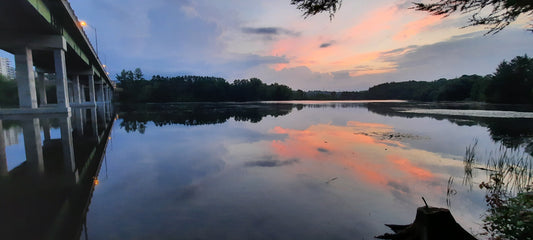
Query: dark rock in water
point(430, 224)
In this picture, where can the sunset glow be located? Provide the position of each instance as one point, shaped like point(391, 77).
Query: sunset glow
point(368, 150)
point(365, 44)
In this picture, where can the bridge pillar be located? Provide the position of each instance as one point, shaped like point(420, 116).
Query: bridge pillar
point(46, 129)
point(77, 119)
point(101, 92)
point(41, 86)
point(32, 144)
point(94, 122)
point(106, 93)
point(92, 95)
point(3, 158)
point(68, 149)
point(76, 89)
point(25, 78)
point(83, 97)
point(109, 96)
point(61, 80)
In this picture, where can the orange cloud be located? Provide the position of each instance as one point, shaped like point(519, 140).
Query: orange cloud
point(370, 72)
point(413, 28)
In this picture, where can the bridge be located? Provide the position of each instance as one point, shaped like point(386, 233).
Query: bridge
point(48, 41)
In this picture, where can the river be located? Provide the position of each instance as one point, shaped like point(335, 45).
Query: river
point(262, 170)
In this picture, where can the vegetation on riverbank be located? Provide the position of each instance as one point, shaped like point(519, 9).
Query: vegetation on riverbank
point(511, 83)
point(8, 92)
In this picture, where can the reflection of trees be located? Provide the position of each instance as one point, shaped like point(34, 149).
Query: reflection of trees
point(511, 132)
point(190, 114)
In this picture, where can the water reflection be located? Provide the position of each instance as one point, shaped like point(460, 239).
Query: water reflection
point(190, 114)
point(369, 151)
point(511, 132)
point(45, 189)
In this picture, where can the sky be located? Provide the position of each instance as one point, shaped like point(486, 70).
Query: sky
point(366, 43)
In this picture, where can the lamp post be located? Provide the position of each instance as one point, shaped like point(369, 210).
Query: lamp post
point(84, 24)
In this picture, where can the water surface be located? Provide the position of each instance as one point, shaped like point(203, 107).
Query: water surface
point(288, 170)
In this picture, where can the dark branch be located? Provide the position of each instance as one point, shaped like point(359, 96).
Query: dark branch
point(312, 7)
point(495, 14)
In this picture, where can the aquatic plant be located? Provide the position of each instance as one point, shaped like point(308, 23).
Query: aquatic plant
point(508, 193)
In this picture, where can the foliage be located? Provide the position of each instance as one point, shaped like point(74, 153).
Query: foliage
point(508, 216)
point(134, 88)
point(466, 87)
point(8, 92)
point(497, 14)
point(508, 197)
point(512, 82)
point(312, 7)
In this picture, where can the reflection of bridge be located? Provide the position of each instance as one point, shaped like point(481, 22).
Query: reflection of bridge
point(45, 34)
point(47, 196)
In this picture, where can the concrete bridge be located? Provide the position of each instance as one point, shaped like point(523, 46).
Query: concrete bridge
point(46, 36)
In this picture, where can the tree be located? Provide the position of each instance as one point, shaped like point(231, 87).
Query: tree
point(499, 13)
point(312, 7)
point(124, 76)
point(512, 82)
point(496, 14)
point(138, 74)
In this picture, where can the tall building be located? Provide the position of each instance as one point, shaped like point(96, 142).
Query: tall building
point(6, 69)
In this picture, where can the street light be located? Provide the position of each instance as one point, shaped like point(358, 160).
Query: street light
point(84, 24)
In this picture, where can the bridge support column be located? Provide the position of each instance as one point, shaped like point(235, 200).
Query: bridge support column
point(109, 95)
point(32, 144)
point(41, 86)
point(25, 78)
point(3, 158)
point(77, 119)
point(83, 97)
point(94, 122)
point(106, 94)
point(76, 89)
point(101, 92)
point(46, 129)
point(92, 95)
point(68, 149)
point(61, 80)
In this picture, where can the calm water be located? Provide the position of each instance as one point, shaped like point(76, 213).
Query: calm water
point(279, 170)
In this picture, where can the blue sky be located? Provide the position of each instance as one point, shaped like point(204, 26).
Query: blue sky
point(366, 43)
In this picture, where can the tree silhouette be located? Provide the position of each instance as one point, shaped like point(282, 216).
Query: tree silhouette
point(496, 14)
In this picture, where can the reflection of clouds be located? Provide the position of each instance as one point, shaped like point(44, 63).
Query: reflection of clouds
point(361, 149)
point(398, 186)
point(406, 166)
point(271, 163)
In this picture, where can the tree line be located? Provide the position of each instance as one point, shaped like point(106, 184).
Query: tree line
point(135, 89)
point(511, 83)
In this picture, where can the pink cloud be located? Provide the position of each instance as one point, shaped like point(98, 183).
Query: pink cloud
point(413, 28)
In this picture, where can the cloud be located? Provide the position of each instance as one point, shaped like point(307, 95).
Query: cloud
point(170, 37)
point(327, 44)
point(269, 31)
